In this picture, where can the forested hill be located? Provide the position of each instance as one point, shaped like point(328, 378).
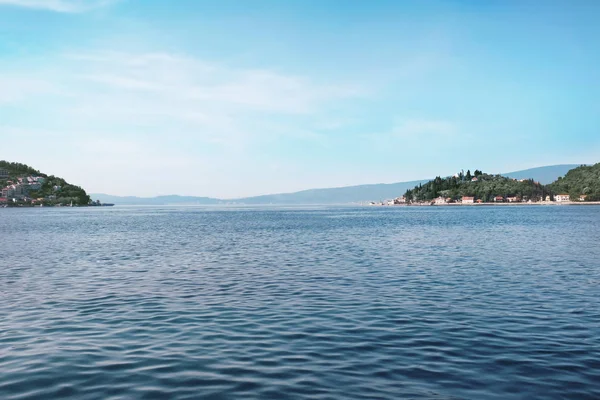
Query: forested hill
point(52, 189)
point(16, 170)
point(583, 180)
point(479, 185)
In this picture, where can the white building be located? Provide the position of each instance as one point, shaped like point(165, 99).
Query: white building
point(468, 200)
point(440, 200)
point(561, 197)
point(400, 200)
point(13, 191)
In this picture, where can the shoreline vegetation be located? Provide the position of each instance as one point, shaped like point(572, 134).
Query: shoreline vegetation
point(23, 186)
point(579, 186)
point(539, 203)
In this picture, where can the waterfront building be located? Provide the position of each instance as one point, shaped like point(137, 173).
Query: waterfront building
point(562, 197)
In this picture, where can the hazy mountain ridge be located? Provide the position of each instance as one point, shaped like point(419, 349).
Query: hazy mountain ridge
point(544, 175)
point(341, 195)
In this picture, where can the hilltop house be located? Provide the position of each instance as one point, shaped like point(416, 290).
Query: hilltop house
point(562, 197)
point(468, 200)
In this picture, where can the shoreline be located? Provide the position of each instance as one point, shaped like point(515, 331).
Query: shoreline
point(543, 203)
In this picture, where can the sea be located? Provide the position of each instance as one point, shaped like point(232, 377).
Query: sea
point(300, 303)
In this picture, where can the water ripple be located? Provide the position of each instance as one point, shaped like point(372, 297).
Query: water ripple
point(322, 303)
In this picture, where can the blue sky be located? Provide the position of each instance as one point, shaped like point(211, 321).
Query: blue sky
point(237, 98)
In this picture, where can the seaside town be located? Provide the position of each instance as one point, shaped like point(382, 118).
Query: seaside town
point(562, 198)
point(579, 186)
point(23, 186)
point(36, 189)
point(19, 191)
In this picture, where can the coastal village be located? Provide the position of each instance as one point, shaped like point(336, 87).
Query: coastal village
point(36, 189)
point(471, 200)
point(19, 190)
point(459, 189)
point(21, 185)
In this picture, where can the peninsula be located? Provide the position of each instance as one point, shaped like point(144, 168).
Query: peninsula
point(22, 185)
point(579, 185)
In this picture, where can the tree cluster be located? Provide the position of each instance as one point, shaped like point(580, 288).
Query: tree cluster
point(583, 180)
point(54, 190)
point(16, 170)
point(485, 187)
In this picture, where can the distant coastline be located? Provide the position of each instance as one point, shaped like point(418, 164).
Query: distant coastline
point(544, 203)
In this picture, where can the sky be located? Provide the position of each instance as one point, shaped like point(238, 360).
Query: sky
point(237, 98)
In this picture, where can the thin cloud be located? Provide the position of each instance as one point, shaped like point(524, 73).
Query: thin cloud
point(419, 127)
point(61, 6)
point(149, 94)
point(19, 87)
point(195, 80)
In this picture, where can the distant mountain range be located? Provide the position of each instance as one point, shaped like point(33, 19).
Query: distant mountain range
point(341, 195)
point(543, 175)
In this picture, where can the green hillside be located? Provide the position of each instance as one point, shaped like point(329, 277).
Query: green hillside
point(53, 190)
point(583, 180)
point(479, 185)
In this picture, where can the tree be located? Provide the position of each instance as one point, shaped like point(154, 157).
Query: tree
point(487, 188)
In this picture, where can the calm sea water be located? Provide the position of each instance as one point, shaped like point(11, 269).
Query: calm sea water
point(318, 303)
